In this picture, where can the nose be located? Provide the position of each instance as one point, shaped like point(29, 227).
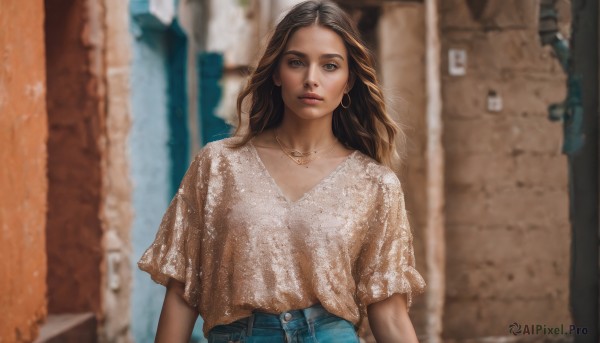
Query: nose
point(311, 77)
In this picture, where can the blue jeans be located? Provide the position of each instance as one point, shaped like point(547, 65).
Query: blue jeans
point(313, 324)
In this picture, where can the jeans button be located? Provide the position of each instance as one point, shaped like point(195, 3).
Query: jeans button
point(287, 317)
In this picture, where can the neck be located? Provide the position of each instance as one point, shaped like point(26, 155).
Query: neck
point(306, 135)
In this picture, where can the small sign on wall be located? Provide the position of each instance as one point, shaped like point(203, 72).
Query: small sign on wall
point(457, 62)
point(494, 101)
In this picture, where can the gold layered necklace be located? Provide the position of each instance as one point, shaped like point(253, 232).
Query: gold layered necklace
point(299, 157)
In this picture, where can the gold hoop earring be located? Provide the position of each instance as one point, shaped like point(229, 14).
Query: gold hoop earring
point(349, 101)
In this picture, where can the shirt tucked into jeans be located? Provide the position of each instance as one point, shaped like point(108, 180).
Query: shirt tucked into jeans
point(313, 324)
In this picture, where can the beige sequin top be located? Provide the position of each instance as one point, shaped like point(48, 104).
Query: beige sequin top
point(238, 244)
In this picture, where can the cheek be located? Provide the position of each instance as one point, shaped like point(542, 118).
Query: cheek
point(336, 84)
point(289, 78)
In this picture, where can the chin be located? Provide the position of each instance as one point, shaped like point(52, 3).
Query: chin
point(310, 113)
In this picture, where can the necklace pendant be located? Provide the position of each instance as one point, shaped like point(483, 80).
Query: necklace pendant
point(296, 153)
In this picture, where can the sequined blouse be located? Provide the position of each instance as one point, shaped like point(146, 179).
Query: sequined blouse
point(239, 245)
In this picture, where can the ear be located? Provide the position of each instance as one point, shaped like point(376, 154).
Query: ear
point(276, 78)
point(350, 84)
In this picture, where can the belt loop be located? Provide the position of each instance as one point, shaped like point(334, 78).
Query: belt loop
point(250, 325)
point(310, 313)
point(308, 319)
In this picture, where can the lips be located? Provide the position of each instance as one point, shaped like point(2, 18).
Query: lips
point(311, 96)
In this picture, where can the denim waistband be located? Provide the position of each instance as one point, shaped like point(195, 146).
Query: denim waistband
point(291, 326)
point(271, 320)
point(288, 320)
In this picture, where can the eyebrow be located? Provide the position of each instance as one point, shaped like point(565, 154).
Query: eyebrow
point(324, 56)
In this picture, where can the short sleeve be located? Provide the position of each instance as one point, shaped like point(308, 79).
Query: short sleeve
point(386, 264)
point(175, 252)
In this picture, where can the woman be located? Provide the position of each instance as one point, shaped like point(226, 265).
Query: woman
point(296, 229)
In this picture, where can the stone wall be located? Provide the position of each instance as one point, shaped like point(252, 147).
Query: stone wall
point(23, 185)
point(507, 226)
point(507, 229)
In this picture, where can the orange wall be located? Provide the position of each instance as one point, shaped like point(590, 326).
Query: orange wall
point(23, 185)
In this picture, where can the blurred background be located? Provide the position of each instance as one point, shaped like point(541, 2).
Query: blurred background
point(103, 103)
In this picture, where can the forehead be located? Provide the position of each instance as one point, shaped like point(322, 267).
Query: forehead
point(316, 40)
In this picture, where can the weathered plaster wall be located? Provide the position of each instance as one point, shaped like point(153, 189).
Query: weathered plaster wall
point(150, 169)
point(75, 116)
point(507, 226)
point(238, 43)
point(241, 43)
point(23, 183)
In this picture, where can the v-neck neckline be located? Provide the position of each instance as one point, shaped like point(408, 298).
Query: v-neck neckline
point(314, 188)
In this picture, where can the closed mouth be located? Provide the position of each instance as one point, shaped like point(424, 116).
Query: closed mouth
point(315, 97)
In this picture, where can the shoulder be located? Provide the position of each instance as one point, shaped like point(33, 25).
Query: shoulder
point(374, 172)
point(218, 149)
point(385, 188)
point(217, 157)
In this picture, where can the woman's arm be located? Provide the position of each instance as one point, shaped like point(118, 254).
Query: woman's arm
point(390, 322)
point(177, 318)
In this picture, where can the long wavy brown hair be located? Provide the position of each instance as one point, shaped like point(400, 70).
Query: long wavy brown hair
point(364, 126)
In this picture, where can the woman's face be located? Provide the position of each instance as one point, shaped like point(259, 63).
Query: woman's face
point(313, 73)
